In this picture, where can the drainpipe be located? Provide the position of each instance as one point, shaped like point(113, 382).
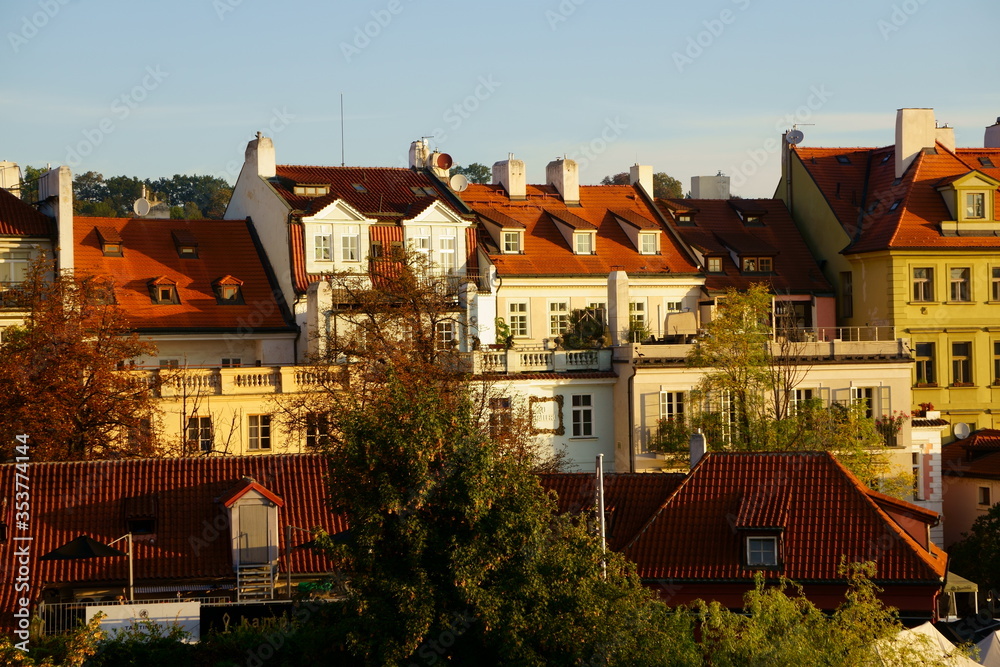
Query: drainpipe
point(631, 419)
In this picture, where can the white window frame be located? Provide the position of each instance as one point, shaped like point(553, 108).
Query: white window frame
point(350, 245)
point(649, 243)
point(584, 243)
point(558, 311)
point(447, 250)
point(323, 243)
point(512, 242)
point(970, 204)
point(601, 306)
point(518, 318)
point(714, 265)
point(259, 432)
point(756, 550)
point(672, 404)
point(445, 335)
point(14, 263)
point(582, 411)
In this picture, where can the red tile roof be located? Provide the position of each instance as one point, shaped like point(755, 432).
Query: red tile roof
point(862, 193)
point(18, 218)
point(718, 230)
point(957, 461)
point(94, 497)
point(225, 248)
point(546, 251)
point(629, 498)
point(822, 510)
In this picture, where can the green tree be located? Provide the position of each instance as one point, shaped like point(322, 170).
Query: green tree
point(454, 552)
point(744, 398)
point(60, 381)
point(977, 555)
point(475, 172)
point(29, 183)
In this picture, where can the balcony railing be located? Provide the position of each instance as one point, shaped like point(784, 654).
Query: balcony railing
point(13, 297)
point(525, 360)
point(181, 382)
point(57, 618)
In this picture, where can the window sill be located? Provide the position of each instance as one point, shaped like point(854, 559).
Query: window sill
point(926, 385)
point(962, 385)
point(924, 303)
point(584, 437)
point(959, 303)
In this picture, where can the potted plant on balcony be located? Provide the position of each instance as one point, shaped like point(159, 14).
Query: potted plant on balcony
point(586, 331)
point(505, 340)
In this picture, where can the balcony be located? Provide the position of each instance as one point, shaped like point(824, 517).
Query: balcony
point(12, 297)
point(539, 360)
point(252, 380)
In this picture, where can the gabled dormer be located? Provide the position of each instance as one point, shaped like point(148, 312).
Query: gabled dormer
point(228, 291)
point(506, 232)
point(751, 213)
point(580, 234)
point(641, 231)
point(750, 254)
point(163, 291)
point(970, 201)
point(438, 232)
point(336, 237)
point(185, 242)
point(253, 522)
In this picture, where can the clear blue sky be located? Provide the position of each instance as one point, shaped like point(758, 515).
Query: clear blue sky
point(153, 89)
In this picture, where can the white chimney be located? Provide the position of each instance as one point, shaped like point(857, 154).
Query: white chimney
point(643, 175)
point(565, 176)
point(946, 137)
point(420, 154)
point(618, 302)
point(260, 156)
point(992, 139)
point(915, 131)
point(510, 174)
point(710, 187)
point(10, 177)
point(698, 447)
point(55, 192)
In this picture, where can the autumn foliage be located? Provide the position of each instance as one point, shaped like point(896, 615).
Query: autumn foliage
point(60, 377)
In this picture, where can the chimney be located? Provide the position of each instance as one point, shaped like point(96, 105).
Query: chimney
point(260, 156)
point(992, 139)
point(915, 131)
point(10, 177)
point(643, 175)
point(618, 301)
point(945, 136)
point(420, 154)
point(565, 176)
point(698, 446)
point(710, 187)
point(55, 192)
point(510, 174)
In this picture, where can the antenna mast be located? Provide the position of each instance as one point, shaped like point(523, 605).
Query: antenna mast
point(341, 129)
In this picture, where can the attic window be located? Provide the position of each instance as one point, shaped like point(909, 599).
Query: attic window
point(359, 188)
point(762, 551)
point(228, 291)
point(715, 265)
point(163, 291)
point(111, 241)
point(685, 220)
point(843, 159)
point(140, 513)
point(897, 181)
point(986, 162)
point(757, 264)
point(417, 191)
point(895, 204)
point(312, 190)
point(511, 242)
point(753, 221)
point(874, 205)
point(885, 158)
point(186, 243)
point(583, 243)
point(648, 243)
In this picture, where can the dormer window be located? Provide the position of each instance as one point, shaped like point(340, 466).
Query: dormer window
point(186, 243)
point(753, 221)
point(163, 291)
point(685, 220)
point(715, 265)
point(228, 291)
point(111, 241)
point(761, 551)
point(757, 264)
point(648, 244)
point(511, 243)
point(843, 159)
point(313, 190)
point(583, 243)
point(986, 162)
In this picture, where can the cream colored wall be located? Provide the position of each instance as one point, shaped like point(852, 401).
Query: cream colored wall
point(210, 350)
point(961, 504)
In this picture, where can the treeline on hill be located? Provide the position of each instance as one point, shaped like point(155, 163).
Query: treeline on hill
point(189, 197)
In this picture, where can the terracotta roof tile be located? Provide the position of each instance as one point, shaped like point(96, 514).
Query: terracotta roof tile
point(92, 498)
point(718, 229)
point(823, 511)
point(18, 218)
point(956, 461)
point(546, 251)
point(225, 248)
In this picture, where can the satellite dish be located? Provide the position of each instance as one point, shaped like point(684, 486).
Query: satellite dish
point(794, 136)
point(459, 183)
point(441, 161)
point(141, 207)
point(961, 430)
